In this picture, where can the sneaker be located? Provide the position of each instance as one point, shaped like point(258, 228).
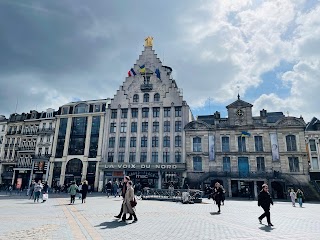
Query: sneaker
point(270, 225)
point(260, 221)
point(117, 216)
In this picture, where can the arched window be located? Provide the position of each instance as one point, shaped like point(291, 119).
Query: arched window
point(197, 144)
point(291, 143)
point(81, 108)
point(136, 98)
point(156, 97)
point(146, 97)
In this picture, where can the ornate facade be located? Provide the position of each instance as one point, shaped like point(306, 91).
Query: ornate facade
point(144, 126)
point(243, 151)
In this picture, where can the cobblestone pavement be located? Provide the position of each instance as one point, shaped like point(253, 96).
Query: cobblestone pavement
point(21, 218)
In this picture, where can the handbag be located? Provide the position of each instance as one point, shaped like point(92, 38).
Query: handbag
point(133, 202)
point(45, 196)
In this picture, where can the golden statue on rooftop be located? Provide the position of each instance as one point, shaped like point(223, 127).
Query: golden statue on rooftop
point(148, 42)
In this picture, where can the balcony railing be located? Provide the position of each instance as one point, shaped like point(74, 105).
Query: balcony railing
point(26, 148)
point(46, 130)
point(41, 156)
point(146, 87)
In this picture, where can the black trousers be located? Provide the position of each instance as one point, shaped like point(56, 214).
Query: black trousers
point(121, 211)
point(72, 198)
point(266, 214)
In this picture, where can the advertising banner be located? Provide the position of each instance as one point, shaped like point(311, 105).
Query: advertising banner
point(274, 147)
point(211, 148)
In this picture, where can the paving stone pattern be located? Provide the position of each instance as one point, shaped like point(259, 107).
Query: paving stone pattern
point(21, 218)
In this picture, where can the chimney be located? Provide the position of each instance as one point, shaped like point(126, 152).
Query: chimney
point(263, 113)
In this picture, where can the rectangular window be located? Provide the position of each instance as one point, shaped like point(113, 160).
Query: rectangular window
point(78, 136)
point(123, 127)
point(294, 164)
point(110, 156)
point(114, 113)
point(134, 127)
point(166, 111)
point(132, 157)
point(122, 142)
point(46, 151)
point(178, 111)
point(197, 164)
point(225, 144)
point(155, 141)
point(61, 137)
point(226, 164)
point(112, 141)
point(121, 157)
point(258, 143)
point(177, 157)
point(113, 127)
point(177, 126)
point(133, 142)
point(124, 113)
point(312, 143)
point(145, 112)
point(97, 108)
point(154, 158)
point(241, 144)
point(315, 163)
point(155, 127)
point(144, 142)
point(143, 157)
point(177, 141)
point(260, 164)
point(144, 127)
point(166, 141)
point(197, 144)
point(166, 157)
point(134, 112)
point(166, 126)
point(291, 143)
point(156, 112)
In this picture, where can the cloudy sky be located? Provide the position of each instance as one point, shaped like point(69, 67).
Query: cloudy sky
point(54, 52)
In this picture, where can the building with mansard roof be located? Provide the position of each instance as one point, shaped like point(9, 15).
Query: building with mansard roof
point(244, 151)
point(312, 136)
point(144, 127)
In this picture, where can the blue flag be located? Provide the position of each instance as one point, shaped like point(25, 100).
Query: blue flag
point(157, 72)
point(244, 133)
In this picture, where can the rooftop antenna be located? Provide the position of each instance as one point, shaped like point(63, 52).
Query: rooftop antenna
point(288, 113)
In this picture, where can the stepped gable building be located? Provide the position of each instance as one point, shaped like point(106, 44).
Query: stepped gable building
point(243, 151)
point(144, 127)
point(77, 145)
point(312, 135)
point(28, 142)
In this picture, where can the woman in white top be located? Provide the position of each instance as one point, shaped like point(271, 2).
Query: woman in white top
point(293, 197)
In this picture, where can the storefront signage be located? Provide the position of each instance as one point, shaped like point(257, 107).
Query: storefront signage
point(146, 166)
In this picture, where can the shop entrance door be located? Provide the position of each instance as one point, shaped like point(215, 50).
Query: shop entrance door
point(243, 165)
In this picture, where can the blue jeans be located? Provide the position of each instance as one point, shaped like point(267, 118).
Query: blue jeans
point(300, 201)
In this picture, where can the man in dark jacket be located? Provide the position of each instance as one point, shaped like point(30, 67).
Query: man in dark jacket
point(123, 193)
point(264, 201)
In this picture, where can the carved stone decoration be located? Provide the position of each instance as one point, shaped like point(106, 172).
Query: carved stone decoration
point(290, 122)
point(197, 125)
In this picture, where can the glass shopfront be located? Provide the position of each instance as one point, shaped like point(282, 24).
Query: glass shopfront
point(171, 177)
point(144, 178)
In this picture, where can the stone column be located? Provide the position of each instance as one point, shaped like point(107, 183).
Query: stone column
point(101, 136)
point(14, 175)
point(159, 180)
point(50, 173)
point(67, 137)
point(63, 170)
point(97, 177)
point(55, 138)
point(47, 172)
point(229, 187)
point(88, 136)
point(84, 168)
point(255, 189)
point(101, 179)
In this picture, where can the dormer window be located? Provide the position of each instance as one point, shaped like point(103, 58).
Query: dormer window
point(81, 108)
point(136, 98)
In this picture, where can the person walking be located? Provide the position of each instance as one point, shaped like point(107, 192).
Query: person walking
point(109, 186)
point(300, 197)
point(123, 193)
point(127, 207)
point(115, 188)
point(84, 191)
point(31, 189)
point(264, 200)
point(218, 192)
point(80, 190)
point(45, 192)
point(293, 197)
point(72, 191)
point(37, 190)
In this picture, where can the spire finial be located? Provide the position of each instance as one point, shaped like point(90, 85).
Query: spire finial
point(148, 41)
point(238, 92)
point(238, 96)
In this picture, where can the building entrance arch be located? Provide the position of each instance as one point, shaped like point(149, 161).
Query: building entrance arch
point(73, 171)
point(277, 190)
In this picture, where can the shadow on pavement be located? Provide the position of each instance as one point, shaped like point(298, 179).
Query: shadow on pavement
point(112, 224)
point(266, 228)
point(215, 213)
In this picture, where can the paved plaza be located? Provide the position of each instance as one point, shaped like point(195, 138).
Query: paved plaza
point(20, 218)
